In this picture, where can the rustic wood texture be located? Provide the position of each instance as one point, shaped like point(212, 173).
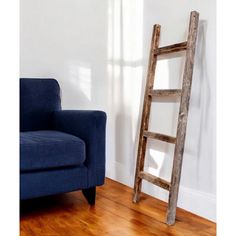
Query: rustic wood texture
point(179, 141)
point(146, 111)
point(171, 48)
point(155, 180)
point(161, 137)
point(165, 92)
point(113, 214)
point(182, 119)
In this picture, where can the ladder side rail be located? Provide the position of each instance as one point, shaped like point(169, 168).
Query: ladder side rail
point(182, 119)
point(146, 111)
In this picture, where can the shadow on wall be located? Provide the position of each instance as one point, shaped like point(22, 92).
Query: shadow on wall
point(198, 148)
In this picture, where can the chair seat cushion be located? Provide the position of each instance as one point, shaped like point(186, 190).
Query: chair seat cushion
point(47, 149)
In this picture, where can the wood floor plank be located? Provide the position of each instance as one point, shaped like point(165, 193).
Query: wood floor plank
point(114, 214)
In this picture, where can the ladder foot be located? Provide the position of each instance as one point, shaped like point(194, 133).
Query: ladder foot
point(136, 197)
point(170, 219)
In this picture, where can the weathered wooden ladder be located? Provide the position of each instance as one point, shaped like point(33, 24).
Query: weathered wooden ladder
point(179, 140)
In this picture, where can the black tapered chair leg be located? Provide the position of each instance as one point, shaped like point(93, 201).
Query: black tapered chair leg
point(90, 195)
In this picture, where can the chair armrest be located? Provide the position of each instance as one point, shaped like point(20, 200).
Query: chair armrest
point(90, 126)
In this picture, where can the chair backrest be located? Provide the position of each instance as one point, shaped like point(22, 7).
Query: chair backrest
point(38, 99)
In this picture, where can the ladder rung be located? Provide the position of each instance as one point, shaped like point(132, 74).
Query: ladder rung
point(161, 137)
point(155, 180)
point(171, 48)
point(165, 92)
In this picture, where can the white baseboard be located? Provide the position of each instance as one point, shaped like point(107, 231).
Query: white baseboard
point(197, 202)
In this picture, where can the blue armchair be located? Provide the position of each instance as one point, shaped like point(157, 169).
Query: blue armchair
point(60, 150)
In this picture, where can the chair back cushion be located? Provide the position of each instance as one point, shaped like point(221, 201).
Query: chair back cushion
point(38, 99)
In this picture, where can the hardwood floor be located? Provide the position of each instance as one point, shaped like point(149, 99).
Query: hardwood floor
point(114, 214)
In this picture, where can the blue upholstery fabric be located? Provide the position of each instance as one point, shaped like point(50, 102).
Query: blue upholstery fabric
point(90, 127)
point(60, 151)
point(38, 99)
point(50, 149)
point(43, 183)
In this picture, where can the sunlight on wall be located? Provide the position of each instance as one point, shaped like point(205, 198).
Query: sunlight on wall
point(132, 30)
point(157, 153)
point(162, 75)
point(80, 77)
point(158, 157)
point(125, 75)
point(114, 29)
point(114, 71)
point(126, 83)
point(85, 81)
point(126, 79)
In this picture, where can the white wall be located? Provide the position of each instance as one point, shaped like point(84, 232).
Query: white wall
point(98, 51)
